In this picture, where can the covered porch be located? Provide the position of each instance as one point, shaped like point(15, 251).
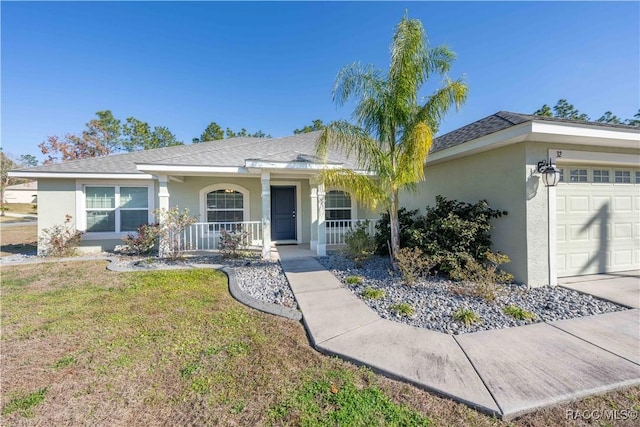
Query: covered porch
point(264, 207)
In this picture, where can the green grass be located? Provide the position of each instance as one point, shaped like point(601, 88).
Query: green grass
point(353, 280)
point(466, 316)
point(373, 293)
point(403, 309)
point(518, 313)
point(25, 403)
point(336, 400)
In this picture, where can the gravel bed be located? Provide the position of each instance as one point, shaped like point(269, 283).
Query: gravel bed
point(435, 301)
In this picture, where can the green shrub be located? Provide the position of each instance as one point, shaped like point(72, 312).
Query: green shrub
point(466, 316)
point(372, 293)
point(406, 221)
point(353, 280)
point(451, 232)
point(360, 245)
point(142, 242)
point(483, 279)
point(518, 313)
point(60, 240)
point(402, 309)
point(413, 264)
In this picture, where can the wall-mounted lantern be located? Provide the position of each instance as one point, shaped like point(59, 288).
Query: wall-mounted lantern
point(550, 173)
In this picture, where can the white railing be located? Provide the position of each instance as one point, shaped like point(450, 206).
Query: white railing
point(336, 229)
point(205, 236)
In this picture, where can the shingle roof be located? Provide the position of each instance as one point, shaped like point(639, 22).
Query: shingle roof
point(228, 152)
point(499, 121)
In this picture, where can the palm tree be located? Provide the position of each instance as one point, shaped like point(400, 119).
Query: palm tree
point(393, 132)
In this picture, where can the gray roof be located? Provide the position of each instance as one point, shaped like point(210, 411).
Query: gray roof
point(227, 152)
point(499, 121)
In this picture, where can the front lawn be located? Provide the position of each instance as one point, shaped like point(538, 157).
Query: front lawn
point(82, 345)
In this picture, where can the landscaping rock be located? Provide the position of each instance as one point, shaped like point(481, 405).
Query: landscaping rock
point(435, 303)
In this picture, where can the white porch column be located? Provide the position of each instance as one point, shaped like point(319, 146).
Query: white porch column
point(163, 192)
point(321, 248)
point(265, 179)
point(163, 204)
point(314, 214)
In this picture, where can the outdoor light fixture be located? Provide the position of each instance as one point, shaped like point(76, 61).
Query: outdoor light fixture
point(550, 173)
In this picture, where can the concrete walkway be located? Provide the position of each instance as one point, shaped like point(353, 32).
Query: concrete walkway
point(622, 288)
point(505, 372)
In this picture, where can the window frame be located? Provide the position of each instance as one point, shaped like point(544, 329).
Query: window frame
point(622, 172)
point(601, 170)
point(351, 208)
point(224, 186)
point(81, 218)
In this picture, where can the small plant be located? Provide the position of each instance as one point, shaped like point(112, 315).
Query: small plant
point(60, 240)
point(484, 280)
point(144, 241)
point(403, 309)
point(413, 264)
point(360, 245)
point(353, 280)
point(466, 316)
point(372, 293)
point(172, 223)
point(518, 313)
point(232, 242)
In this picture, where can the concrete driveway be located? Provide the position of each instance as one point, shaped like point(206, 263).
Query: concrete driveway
point(622, 288)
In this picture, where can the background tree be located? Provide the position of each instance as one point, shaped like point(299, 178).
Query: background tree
point(609, 117)
point(315, 125)
point(6, 164)
point(28, 160)
point(138, 135)
point(564, 110)
point(392, 133)
point(72, 147)
point(213, 132)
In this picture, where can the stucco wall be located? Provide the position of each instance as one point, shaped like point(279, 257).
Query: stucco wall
point(498, 176)
point(56, 199)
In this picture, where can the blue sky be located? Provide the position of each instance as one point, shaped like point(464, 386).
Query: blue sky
point(271, 66)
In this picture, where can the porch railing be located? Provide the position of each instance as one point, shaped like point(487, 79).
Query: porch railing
point(205, 236)
point(336, 229)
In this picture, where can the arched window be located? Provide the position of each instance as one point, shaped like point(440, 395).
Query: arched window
point(337, 205)
point(224, 203)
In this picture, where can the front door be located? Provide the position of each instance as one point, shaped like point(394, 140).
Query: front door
point(283, 213)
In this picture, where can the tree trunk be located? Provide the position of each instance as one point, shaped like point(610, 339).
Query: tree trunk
point(395, 227)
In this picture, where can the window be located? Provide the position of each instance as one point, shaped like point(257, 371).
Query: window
point(561, 175)
point(600, 175)
point(637, 177)
point(578, 175)
point(225, 205)
point(337, 206)
point(116, 208)
point(623, 177)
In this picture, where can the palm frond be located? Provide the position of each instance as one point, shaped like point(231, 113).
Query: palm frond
point(439, 60)
point(353, 141)
point(415, 144)
point(356, 81)
point(408, 58)
point(453, 93)
point(365, 189)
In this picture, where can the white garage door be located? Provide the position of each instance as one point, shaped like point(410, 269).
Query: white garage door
point(598, 220)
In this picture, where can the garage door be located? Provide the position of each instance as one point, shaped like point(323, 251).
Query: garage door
point(598, 220)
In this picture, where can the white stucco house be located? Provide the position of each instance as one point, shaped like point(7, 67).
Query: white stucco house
point(26, 192)
point(588, 223)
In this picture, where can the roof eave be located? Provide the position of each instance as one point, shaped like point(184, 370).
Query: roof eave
point(77, 175)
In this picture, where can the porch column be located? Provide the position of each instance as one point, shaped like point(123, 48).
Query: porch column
point(321, 248)
point(163, 204)
point(314, 214)
point(265, 179)
point(163, 192)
